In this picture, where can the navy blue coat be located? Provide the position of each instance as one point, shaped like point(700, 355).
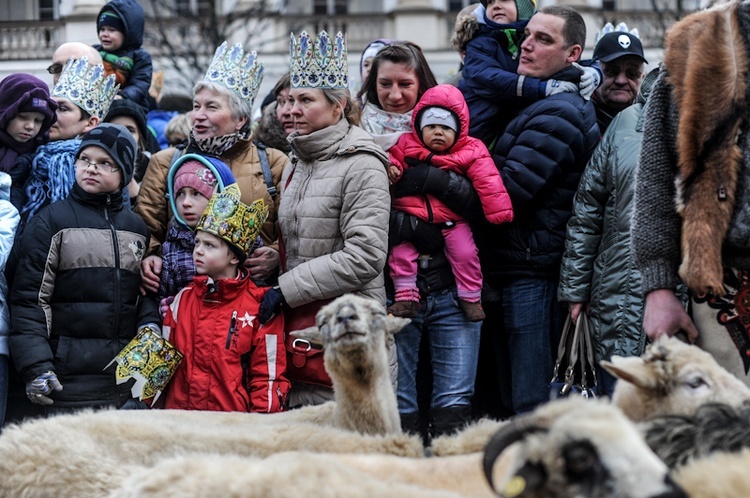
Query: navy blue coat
point(139, 80)
point(489, 80)
point(541, 157)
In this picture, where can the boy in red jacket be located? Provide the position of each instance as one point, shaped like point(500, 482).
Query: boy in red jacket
point(232, 362)
point(440, 136)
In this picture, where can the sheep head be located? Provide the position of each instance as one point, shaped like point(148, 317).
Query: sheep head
point(353, 331)
point(672, 377)
point(575, 448)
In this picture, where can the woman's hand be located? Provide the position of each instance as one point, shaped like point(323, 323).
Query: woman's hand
point(263, 263)
point(150, 274)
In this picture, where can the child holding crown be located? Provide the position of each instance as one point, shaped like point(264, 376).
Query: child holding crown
point(232, 361)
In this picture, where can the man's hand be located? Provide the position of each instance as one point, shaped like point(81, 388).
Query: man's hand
point(575, 310)
point(150, 272)
point(263, 263)
point(665, 315)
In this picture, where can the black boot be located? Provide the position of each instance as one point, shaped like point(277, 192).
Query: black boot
point(409, 422)
point(449, 419)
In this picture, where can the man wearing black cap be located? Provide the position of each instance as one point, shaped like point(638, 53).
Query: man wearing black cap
point(620, 55)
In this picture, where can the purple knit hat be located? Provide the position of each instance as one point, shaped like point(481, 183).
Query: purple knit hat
point(23, 93)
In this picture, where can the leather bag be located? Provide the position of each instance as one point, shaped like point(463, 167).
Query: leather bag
point(575, 357)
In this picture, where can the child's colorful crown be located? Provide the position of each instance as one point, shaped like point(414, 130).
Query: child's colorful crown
point(231, 220)
point(319, 63)
point(233, 69)
point(86, 86)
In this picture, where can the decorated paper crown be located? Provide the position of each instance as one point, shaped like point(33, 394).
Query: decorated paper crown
point(149, 359)
point(231, 220)
point(237, 71)
point(86, 86)
point(319, 63)
point(609, 28)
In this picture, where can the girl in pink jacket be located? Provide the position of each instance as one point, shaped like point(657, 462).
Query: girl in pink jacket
point(440, 125)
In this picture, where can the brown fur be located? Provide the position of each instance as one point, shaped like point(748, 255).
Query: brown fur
point(708, 66)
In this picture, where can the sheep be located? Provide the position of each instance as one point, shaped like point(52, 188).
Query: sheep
point(101, 448)
point(353, 331)
point(672, 377)
point(553, 456)
point(576, 448)
point(720, 475)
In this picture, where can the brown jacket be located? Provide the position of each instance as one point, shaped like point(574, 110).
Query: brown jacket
point(244, 162)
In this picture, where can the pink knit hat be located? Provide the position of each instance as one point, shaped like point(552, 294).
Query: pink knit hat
point(194, 174)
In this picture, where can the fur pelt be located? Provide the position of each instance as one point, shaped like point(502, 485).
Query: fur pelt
point(721, 475)
point(707, 62)
point(465, 30)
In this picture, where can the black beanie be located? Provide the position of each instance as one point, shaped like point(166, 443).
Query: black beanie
point(126, 107)
point(110, 18)
point(118, 142)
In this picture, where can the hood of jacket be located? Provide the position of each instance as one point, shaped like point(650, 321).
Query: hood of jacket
point(447, 97)
point(132, 17)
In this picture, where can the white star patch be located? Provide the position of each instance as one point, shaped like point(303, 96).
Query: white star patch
point(246, 320)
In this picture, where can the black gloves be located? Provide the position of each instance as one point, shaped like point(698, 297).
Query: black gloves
point(426, 237)
point(271, 304)
point(421, 179)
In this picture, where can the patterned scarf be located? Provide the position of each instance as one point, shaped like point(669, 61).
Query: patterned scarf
point(216, 146)
point(385, 127)
point(53, 173)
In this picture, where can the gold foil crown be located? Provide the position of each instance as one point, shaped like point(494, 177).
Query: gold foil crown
point(229, 219)
point(232, 68)
point(319, 63)
point(86, 86)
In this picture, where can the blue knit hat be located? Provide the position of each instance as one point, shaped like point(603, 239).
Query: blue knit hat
point(110, 18)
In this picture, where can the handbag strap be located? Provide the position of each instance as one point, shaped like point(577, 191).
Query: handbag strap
point(561, 348)
point(588, 358)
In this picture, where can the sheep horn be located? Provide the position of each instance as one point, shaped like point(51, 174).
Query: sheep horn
point(507, 435)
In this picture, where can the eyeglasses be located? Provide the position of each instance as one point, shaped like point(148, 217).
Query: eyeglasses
point(614, 70)
point(55, 68)
point(105, 166)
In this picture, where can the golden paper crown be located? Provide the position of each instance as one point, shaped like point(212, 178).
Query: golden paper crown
point(229, 219)
point(319, 63)
point(237, 71)
point(86, 86)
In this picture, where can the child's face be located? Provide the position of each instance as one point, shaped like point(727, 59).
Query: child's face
point(129, 123)
point(70, 120)
point(213, 257)
point(190, 205)
point(438, 138)
point(25, 126)
point(502, 11)
point(104, 178)
point(110, 38)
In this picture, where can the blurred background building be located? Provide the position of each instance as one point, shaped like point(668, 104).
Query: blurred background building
point(182, 34)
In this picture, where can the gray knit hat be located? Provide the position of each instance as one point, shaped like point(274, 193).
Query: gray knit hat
point(118, 142)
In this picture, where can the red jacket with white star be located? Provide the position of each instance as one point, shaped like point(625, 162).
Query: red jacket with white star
point(232, 363)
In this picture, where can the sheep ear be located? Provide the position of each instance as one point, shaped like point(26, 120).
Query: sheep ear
point(312, 334)
point(394, 324)
point(631, 369)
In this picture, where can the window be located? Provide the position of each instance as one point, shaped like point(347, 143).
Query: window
point(193, 7)
point(46, 10)
point(329, 7)
point(456, 5)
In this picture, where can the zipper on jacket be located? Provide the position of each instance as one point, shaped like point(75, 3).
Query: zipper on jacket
point(232, 324)
point(116, 248)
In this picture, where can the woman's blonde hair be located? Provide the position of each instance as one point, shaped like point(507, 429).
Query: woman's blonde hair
point(342, 96)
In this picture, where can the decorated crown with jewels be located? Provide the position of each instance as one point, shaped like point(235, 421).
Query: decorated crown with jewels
point(229, 219)
point(236, 70)
point(319, 63)
point(86, 86)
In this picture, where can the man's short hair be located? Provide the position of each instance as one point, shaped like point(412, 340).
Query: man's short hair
point(574, 29)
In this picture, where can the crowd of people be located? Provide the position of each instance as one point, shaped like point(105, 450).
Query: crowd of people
point(485, 211)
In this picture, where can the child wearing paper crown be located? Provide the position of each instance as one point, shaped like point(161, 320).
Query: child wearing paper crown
point(493, 90)
point(75, 301)
point(26, 114)
point(232, 362)
point(120, 26)
point(192, 180)
point(440, 125)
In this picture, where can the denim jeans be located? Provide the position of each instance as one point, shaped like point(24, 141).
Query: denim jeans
point(454, 349)
point(529, 321)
